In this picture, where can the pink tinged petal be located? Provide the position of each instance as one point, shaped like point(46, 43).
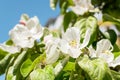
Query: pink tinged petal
point(24, 18)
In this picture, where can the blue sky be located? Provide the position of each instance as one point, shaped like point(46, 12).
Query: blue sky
point(10, 12)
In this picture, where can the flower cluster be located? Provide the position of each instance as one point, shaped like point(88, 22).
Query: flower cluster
point(71, 48)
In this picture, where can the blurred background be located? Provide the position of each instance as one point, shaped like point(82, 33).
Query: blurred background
point(10, 12)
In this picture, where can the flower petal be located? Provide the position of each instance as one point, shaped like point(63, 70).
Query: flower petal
point(10, 49)
point(52, 54)
point(74, 53)
point(104, 45)
point(108, 57)
point(64, 46)
point(92, 52)
point(115, 63)
point(72, 33)
point(82, 6)
point(21, 36)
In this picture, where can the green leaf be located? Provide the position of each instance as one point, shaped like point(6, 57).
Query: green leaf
point(116, 75)
point(70, 66)
point(116, 48)
point(4, 63)
point(26, 67)
point(43, 74)
point(111, 35)
point(70, 2)
point(116, 21)
point(116, 54)
point(85, 24)
point(64, 6)
point(29, 65)
point(9, 42)
point(2, 54)
point(97, 69)
point(68, 18)
point(13, 72)
point(38, 60)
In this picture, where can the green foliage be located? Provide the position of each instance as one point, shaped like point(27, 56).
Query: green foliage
point(26, 67)
point(9, 42)
point(70, 66)
point(2, 54)
point(97, 69)
point(116, 75)
point(13, 72)
point(116, 21)
point(4, 63)
point(43, 74)
point(111, 35)
point(85, 24)
point(64, 4)
point(31, 63)
point(69, 17)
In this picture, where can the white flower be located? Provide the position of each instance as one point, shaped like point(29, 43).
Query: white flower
point(58, 23)
point(25, 33)
point(58, 68)
point(70, 42)
point(115, 62)
point(103, 50)
point(52, 52)
point(82, 6)
point(10, 49)
point(99, 16)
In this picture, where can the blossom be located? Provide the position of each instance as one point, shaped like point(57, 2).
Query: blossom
point(25, 33)
point(70, 42)
point(99, 16)
point(52, 52)
point(57, 24)
point(58, 68)
point(103, 50)
point(11, 49)
point(115, 62)
point(82, 6)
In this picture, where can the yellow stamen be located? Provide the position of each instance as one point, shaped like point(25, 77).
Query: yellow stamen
point(73, 43)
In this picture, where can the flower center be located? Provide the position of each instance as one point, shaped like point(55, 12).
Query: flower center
point(106, 52)
point(73, 43)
